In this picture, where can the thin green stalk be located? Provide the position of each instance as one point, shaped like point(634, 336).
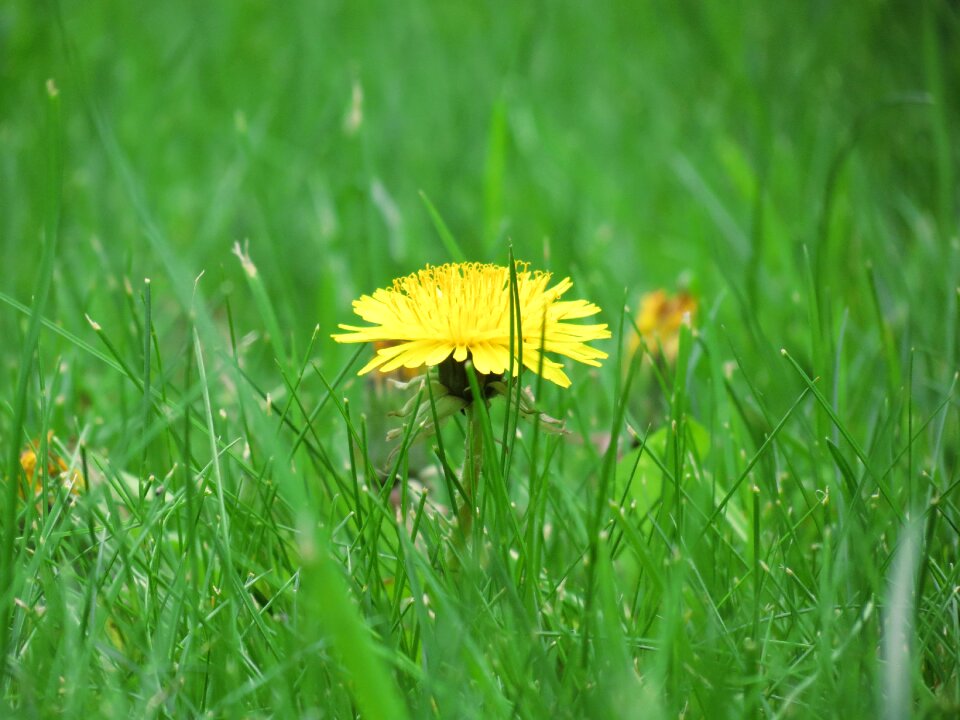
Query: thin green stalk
point(472, 467)
point(147, 400)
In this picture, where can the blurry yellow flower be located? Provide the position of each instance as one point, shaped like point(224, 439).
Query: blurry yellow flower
point(659, 321)
point(57, 470)
point(462, 310)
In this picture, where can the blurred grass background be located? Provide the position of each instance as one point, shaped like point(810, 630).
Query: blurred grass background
point(794, 165)
point(639, 141)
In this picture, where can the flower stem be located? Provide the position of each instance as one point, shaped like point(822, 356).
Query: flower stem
point(473, 463)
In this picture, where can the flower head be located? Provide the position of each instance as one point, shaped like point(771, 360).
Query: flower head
point(463, 310)
point(660, 318)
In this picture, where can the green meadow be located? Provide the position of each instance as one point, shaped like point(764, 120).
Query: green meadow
point(201, 515)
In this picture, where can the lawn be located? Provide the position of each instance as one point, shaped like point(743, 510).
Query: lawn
point(749, 508)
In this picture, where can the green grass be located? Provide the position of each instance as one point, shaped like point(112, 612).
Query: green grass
point(778, 537)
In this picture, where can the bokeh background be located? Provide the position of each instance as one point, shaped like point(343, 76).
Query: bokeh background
point(633, 145)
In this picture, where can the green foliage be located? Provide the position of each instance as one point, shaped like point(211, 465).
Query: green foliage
point(766, 526)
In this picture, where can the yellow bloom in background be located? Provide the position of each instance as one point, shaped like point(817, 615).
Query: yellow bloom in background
point(659, 321)
point(463, 310)
point(57, 468)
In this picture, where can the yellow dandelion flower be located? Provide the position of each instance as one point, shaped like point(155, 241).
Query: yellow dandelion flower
point(660, 318)
point(462, 310)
